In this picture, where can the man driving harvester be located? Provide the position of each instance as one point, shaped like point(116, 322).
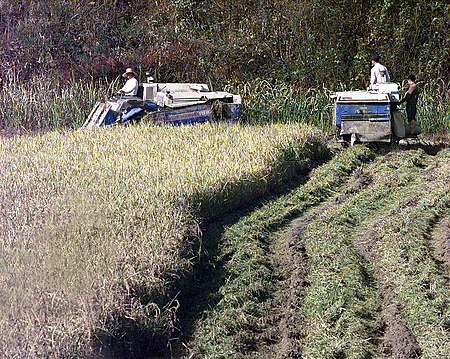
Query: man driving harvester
point(131, 86)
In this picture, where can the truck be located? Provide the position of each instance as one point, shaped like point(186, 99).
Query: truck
point(369, 115)
point(166, 103)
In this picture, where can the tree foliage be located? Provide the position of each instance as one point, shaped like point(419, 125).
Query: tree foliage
point(310, 42)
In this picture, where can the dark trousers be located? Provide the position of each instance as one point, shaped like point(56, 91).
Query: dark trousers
point(411, 113)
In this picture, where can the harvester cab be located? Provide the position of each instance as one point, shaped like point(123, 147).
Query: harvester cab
point(370, 115)
point(175, 103)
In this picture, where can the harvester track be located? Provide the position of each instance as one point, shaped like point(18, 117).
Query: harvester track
point(345, 275)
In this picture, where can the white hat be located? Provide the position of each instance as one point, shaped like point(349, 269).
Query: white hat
point(128, 71)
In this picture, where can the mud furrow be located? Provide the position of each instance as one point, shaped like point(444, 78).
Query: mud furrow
point(441, 242)
point(290, 258)
point(398, 238)
point(352, 276)
point(238, 324)
point(291, 262)
point(397, 339)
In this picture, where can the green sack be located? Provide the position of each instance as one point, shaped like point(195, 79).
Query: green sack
point(398, 125)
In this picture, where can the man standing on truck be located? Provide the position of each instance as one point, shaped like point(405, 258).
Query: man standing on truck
point(411, 97)
point(379, 73)
point(131, 86)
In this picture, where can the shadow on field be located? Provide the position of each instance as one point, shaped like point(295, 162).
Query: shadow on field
point(201, 291)
point(429, 148)
point(167, 331)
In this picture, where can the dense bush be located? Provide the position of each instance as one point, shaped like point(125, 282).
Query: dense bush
point(309, 42)
point(278, 55)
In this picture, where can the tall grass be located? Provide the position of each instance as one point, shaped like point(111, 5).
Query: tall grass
point(46, 104)
point(434, 108)
point(96, 227)
point(266, 102)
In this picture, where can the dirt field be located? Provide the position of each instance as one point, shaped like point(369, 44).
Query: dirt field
point(357, 266)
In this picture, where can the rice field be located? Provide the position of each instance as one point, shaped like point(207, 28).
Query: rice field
point(267, 102)
point(98, 227)
point(44, 104)
point(175, 242)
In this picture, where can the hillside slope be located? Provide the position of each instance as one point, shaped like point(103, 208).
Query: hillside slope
point(309, 42)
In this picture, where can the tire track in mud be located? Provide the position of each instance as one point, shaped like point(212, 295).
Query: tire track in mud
point(237, 324)
point(277, 325)
point(290, 259)
point(441, 242)
point(397, 244)
point(395, 339)
point(439, 232)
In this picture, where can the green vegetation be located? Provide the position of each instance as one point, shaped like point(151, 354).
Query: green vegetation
point(267, 103)
point(368, 266)
point(434, 108)
point(102, 232)
point(233, 325)
point(311, 43)
point(278, 56)
point(40, 105)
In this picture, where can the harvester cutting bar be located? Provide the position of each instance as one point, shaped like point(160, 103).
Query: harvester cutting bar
point(98, 115)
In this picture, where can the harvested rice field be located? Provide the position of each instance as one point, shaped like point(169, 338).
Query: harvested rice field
point(351, 264)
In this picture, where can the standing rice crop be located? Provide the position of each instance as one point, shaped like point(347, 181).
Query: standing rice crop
point(96, 227)
point(266, 102)
point(43, 104)
point(434, 108)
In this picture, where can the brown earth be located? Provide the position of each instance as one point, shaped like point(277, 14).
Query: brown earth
point(284, 331)
point(398, 340)
point(441, 240)
point(290, 257)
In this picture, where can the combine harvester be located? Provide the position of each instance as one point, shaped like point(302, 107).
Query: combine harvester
point(369, 116)
point(173, 103)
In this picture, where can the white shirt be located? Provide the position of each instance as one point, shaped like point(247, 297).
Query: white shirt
point(379, 74)
point(131, 87)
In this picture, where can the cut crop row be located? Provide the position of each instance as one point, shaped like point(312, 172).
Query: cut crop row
point(397, 243)
point(341, 308)
point(344, 308)
point(233, 327)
